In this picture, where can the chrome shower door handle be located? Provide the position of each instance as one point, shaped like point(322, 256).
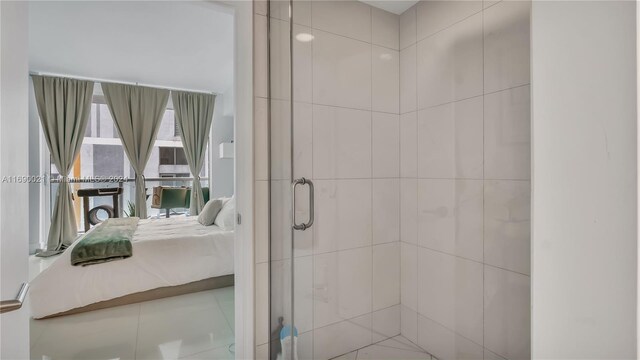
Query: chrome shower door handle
point(304, 226)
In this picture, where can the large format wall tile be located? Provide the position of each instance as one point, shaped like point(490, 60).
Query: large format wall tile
point(342, 286)
point(408, 75)
point(302, 66)
point(507, 134)
point(262, 301)
point(341, 143)
point(507, 224)
point(409, 211)
point(343, 216)
point(302, 140)
point(280, 225)
point(341, 71)
point(408, 23)
point(409, 275)
point(347, 18)
point(261, 138)
point(385, 29)
point(386, 211)
point(450, 216)
point(450, 64)
point(408, 145)
point(506, 45)
point(305, 346)
point(386, 275)
point(450, 292)
point(303, 293)
point(386, 145)
point(409, 323)
point(280, 59)
point(385, 80)
point(280, 147)
point(507, 313)
point(434, 16)
point(450, 140)
point(279, 62)
point(279, 293)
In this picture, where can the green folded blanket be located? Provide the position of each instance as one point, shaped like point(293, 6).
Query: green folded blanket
point(111, 240)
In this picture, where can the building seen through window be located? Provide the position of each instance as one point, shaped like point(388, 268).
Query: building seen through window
point(102, 155)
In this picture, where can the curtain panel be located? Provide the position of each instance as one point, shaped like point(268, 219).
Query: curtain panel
point(194, 115)
point(64, 106)
point(137, 112)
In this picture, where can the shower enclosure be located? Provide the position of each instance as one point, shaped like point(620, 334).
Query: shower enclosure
point(399, 178)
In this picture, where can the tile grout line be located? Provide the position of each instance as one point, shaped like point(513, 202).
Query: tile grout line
point(416, 109)
point(371, 139)
point(417, 287)
point(400, 212)
point(493, 92)
point(378, 343)
point(468, 259)
point(483, 177)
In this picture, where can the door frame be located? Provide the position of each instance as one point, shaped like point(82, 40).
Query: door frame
point(244, 178)
point(243, 130)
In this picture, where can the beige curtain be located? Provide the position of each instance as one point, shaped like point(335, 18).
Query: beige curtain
point(194, 115)
point(64, 106)
point(137, 111)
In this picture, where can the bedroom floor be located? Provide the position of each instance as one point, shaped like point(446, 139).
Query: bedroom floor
point(192, 326)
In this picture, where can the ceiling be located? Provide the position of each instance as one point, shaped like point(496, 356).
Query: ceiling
point(393, 6)
point(186, 45)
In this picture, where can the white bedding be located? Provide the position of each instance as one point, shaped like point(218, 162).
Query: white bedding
point(166, 252)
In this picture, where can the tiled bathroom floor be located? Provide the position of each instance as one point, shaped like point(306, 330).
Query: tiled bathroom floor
point(396, 348)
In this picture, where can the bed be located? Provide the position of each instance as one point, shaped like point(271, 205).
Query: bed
point(171, 256)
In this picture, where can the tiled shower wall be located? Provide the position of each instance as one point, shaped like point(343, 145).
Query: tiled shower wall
point(422, 193)
point(465, 187)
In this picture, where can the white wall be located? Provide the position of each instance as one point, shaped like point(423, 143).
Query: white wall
point(14, 161)
point(465, 190)
point(584, 246)
point(221, 172)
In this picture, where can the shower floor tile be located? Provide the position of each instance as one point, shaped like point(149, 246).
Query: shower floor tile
point(396, 348)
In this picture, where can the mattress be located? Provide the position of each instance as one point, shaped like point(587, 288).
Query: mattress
point(166, 252)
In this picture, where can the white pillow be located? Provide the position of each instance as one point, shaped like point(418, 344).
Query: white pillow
point(226, 217)
point(210, 211)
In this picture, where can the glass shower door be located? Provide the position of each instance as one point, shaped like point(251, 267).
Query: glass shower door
point(291, 275)
point(322, 132)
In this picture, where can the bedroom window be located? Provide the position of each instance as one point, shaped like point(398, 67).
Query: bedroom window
point(102, 156)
